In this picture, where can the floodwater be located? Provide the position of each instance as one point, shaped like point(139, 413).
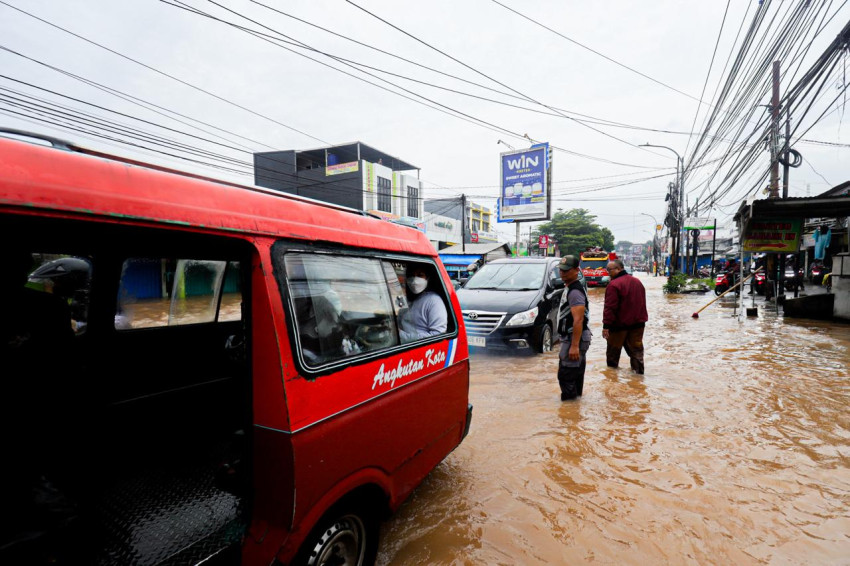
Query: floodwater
point(733, 448)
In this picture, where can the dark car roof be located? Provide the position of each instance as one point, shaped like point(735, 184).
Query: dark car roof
point(524, 260)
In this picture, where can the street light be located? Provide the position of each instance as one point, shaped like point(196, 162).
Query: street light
point(654, 241)
point(680, 181)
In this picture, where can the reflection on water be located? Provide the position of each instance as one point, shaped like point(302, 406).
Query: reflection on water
point(731, 449)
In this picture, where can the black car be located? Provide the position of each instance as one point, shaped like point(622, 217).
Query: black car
point(513, 303)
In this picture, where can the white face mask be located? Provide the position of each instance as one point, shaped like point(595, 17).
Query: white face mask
point(417, 284)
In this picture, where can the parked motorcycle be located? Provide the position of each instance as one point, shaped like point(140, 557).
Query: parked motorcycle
point(816, 272)
point(793, 278)
point(723, 281)
point(759, 282)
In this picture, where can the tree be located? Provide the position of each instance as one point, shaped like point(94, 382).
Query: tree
point(575, 230)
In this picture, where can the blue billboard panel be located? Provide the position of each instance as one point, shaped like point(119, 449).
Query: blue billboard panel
point(524, 187)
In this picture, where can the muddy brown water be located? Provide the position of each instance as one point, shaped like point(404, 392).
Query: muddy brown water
point(733, 448)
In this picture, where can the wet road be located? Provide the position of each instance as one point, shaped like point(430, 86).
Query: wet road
point(733, 448)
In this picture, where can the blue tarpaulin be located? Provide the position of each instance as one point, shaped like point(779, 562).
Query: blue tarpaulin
point(458, 260)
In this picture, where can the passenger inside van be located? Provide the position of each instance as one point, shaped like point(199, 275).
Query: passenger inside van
point(427, 315)
point(35, 353)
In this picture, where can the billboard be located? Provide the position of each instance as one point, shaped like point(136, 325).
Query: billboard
point(699, 223)
point(525, 184)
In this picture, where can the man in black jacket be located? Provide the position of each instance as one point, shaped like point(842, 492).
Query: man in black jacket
point(574, 330)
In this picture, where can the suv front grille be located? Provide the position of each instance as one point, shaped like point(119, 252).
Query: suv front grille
point(481, 323)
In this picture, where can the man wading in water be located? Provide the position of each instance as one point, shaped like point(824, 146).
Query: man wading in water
point(573, 329)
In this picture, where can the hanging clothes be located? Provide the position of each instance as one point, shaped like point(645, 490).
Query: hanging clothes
point(822, 242)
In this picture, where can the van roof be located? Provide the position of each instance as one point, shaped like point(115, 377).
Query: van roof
point(78, 182)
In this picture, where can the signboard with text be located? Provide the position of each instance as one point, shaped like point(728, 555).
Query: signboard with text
point(340, 168)
point(524, 188)
point(782, 236)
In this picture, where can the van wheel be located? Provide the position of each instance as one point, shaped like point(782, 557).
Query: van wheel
point(544, 341)
point(348, 538)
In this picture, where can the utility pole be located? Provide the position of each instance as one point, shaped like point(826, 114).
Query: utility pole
point(774, 167)
point(786, 164)
point(678, 211)
point(517, 237)
point(774, 134)
point(463, 223)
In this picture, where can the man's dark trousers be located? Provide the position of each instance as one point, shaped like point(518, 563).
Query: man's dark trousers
point(571, 372)
point(632, 341)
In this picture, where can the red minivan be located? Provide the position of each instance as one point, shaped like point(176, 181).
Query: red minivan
point(201, 372)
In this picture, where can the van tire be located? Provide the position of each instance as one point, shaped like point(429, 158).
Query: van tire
point(345, 535)
point(544, 339)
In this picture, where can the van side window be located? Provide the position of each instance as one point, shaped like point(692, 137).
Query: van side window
point(170, 292)
point(67, 277)
point(342, 305)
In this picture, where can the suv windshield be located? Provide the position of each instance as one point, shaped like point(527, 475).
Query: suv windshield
point(508, 276)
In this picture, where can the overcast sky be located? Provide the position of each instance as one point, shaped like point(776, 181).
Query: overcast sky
point(641, 65)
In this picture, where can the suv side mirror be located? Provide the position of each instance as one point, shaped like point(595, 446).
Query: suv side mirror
point(557, 283)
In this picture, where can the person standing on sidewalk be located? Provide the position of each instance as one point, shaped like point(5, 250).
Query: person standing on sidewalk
point(624, 317)
point(573, 330)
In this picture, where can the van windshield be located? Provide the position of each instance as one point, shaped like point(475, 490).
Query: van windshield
point(508, 276)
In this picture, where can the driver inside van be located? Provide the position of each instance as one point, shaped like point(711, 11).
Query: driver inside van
point(427, 315)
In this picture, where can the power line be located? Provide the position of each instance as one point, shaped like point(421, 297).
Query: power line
point(155, 70)
point(559, 34)
point(487, 76)
point(437, 105)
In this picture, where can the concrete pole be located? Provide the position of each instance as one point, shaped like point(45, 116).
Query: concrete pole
point(681, 176)
point(787, 154)
point(517, 237)
point(463, 221)
point(774, 134)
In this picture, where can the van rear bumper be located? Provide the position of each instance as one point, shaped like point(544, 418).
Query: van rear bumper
point(468, 421)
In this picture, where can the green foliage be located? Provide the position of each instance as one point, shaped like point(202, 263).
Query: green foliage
point(676, 282)
point(575, 230)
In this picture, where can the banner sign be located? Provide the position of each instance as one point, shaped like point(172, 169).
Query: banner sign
point(524, 184)
point(782, 236)
point(342, 168)
point(698, 223)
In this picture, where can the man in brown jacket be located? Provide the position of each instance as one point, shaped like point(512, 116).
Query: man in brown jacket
point(624, 317)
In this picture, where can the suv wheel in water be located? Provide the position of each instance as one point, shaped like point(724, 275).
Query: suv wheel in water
point(544, 339)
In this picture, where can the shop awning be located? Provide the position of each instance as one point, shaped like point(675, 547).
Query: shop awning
point(458, 260)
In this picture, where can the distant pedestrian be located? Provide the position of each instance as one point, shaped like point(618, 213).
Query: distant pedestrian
point(573, 329)
point(624, 317)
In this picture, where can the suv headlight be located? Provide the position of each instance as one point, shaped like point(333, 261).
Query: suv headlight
point(523, 318)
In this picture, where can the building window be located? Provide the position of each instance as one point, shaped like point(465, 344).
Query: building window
point(413, 201)
point(385, 199)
